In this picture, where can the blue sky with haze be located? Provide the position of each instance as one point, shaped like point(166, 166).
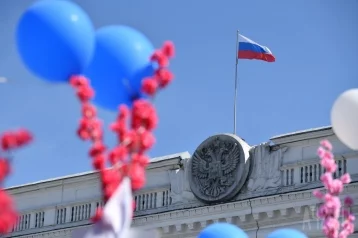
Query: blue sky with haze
point(315, 44)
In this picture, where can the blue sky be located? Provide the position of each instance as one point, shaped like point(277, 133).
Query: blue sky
point(315, 44)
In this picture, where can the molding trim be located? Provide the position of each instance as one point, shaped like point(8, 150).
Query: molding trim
point(302, 135)
point(162, 163)
point(282, 203)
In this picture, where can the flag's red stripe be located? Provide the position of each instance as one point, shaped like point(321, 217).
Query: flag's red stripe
point(246, 54)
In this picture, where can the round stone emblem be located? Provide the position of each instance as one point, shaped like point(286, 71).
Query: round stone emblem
point(219, 168)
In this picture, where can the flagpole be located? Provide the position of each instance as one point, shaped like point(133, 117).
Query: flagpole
point(236, 79)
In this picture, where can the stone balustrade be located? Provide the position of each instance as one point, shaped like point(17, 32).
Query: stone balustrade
point(152, 199)
point(81, 212)
point(309, 173)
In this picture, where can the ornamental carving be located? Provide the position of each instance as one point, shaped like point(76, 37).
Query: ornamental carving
point(219, 168)
point(266, 173)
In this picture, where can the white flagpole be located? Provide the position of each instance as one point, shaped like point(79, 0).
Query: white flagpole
point(236, 79)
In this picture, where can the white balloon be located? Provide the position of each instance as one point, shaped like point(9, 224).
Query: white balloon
point(344, 118)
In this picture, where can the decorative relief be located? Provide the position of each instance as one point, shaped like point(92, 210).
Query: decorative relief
point(179, 190)
point(266, 172)
point(219, 168)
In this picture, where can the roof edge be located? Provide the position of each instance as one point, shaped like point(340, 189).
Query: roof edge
point(302, 135)
point(154, 163)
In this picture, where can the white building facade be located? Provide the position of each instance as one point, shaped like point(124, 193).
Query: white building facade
point(259, 188)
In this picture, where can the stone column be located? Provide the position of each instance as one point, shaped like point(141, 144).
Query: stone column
point(68, 214)
point(297, 175)
point(351, 165)
point(93, 208)
point(49, 218)
point(159, 199)
point(32, 219)
point(284, 177)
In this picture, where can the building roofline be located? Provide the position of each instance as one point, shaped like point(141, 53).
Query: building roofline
point(303, 135)
point(173, 160)
point(156, 162)
point(52, 180)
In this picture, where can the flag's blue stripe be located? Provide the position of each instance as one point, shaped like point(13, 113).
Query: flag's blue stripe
point(251, 47)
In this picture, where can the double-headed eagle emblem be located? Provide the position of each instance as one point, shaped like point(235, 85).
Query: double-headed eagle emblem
point(214, 167)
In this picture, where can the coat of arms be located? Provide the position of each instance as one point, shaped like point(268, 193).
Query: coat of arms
point(217, 167)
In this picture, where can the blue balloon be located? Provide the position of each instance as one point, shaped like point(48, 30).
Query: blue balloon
point(120, 62)
point(286, 233)
point(55, 39)
point(221, 230)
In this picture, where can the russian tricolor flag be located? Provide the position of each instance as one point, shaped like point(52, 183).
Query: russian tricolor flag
point(248, 49)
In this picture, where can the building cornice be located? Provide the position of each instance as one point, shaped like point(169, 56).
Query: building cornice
point(80, 178)
point(165, 165)
point(158, 163)
point(302, 135)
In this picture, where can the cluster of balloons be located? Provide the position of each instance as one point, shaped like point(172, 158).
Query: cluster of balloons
point(56, 40)
point(226, 230)
point(344, 117)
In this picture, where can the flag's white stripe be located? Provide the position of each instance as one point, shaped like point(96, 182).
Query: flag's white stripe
point(245, 39)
